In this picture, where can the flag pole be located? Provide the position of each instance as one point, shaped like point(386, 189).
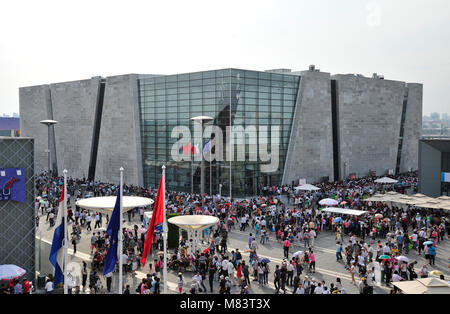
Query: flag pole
point(230, 138)
point(65, 230)
point(120, 232)
point(164, 228)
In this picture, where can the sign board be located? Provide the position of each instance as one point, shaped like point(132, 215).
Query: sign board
point(12, 184)
point(391, 172)
point(301, 181)
point(445, 177)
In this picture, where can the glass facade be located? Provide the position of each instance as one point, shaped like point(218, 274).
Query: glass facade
point(232, 97)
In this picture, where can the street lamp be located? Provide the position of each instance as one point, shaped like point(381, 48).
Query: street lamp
point(48, 123)
point(201, 119)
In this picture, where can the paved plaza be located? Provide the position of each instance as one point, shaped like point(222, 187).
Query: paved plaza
point(327, 268)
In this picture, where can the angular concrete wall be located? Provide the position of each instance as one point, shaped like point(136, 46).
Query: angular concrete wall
point(413, 128)
point(369, 123)
point(429, 170)
point(310, 153)
point(33, 103)
point(72, 104)
point(74, 108)
point(118, 141)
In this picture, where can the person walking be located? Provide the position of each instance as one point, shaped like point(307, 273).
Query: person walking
point(286, 245)
point(84, 274)
point(97, 221)
point(88, 222)
point(277, 277)
point(74, 243)
point(108, 281)
point(180, 283)
point(211, 274)
point(312, 261)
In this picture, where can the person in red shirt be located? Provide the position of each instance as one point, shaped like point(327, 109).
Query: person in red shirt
point(26, 287)
point(10, 286)
point(286, 245)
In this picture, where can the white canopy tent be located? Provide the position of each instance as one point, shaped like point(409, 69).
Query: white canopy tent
point(306, 187)
point(344, 211)
point(193, 224)
point(386, 180)
point(424, 286)
point(105, 204)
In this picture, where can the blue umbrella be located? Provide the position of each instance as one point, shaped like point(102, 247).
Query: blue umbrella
point(338, 219)
point(264, 260)
point(428, 243)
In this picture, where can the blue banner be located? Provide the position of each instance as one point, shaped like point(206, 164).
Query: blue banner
point(12, 184)
point(445, 177)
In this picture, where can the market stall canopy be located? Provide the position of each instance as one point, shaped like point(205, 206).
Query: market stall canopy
point(375, 198)
point(194, 222)
point(429, 204)
point(444, 198)
point(105, 204)
point(344, 211)
point(424, 286)
point(445, 205)
point(306, 187)
point(404, 199)
point(386, 180)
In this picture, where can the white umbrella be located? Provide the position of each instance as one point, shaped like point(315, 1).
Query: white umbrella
point(297, 253)
point(328, 202)
point(142, 230)
point(402, 258)
point(9, 271)
point(386, 180)
point(307, 187)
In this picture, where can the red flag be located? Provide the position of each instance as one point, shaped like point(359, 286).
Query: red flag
point(157, 218)
point(189, 148)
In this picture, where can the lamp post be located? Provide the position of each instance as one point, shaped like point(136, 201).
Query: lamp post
point(201, 119)
point(48, 123)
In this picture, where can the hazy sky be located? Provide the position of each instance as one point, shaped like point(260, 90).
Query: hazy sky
point(44, 41)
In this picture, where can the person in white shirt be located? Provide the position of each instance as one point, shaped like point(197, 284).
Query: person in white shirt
point(312, 235)
point(319, 289)
point(49, 287)
point(230, 271)
point(69, 283)
point(224, 267)
point(300, 289)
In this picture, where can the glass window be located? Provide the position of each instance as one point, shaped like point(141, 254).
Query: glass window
point(196, 95)
point(210, 81)
point(263, 89)
point(196, 102)
point(250, 101)
point(263, 102)
point(195, 83)
point(209, 101)
point(209, 88)
point(209, 74)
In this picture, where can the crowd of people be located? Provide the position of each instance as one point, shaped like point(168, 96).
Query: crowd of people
point(386, 235)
